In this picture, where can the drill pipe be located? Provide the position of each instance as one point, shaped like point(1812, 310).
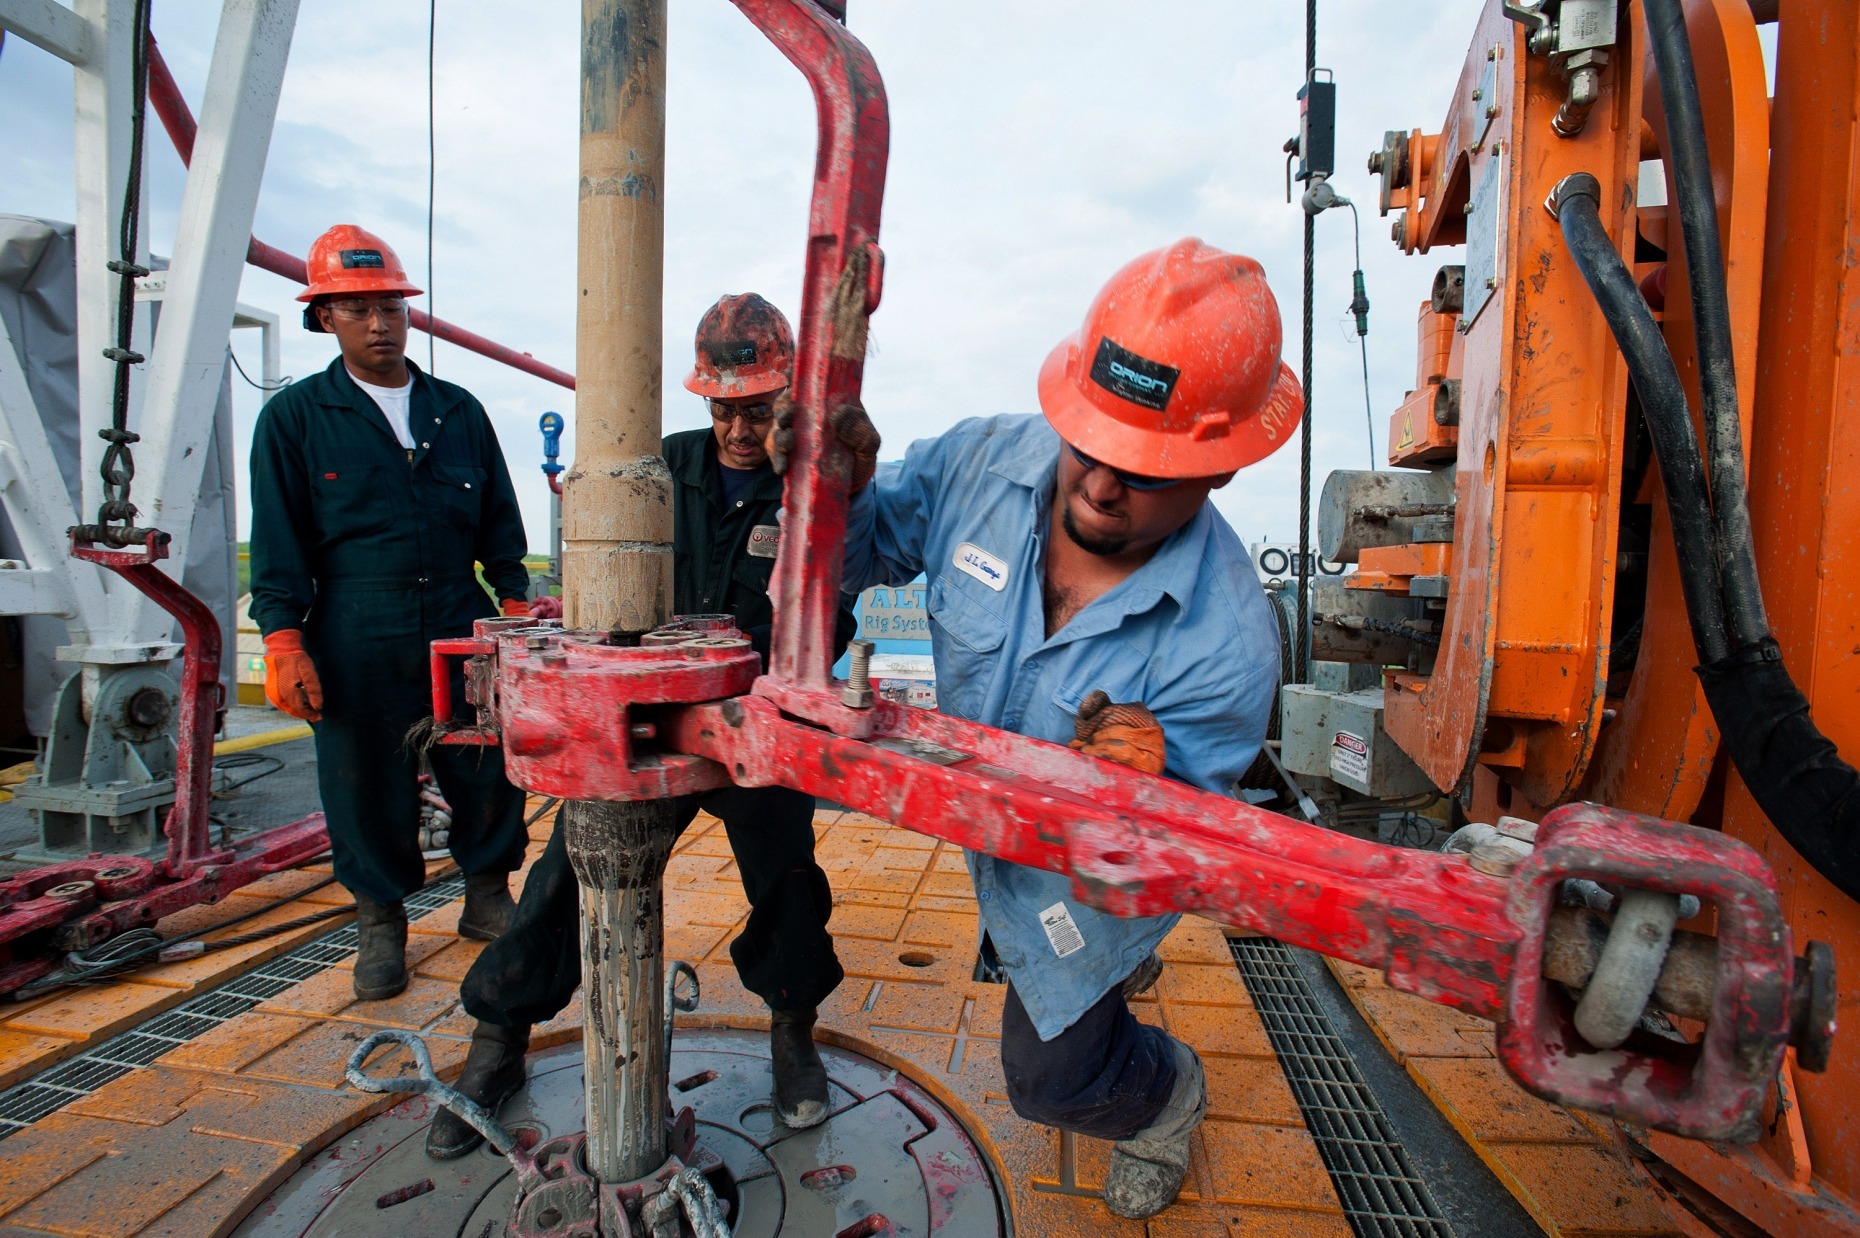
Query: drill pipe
point(617, 565)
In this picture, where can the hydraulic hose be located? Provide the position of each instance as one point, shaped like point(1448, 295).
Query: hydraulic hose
point(1711, 318)
point(1577, 203)
point(1792, 770)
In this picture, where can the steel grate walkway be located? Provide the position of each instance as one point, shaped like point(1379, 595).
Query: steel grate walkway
point(51, 1090)
point(1381, 1192)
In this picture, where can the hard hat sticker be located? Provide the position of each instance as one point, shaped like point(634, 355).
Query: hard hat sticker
point(974, 561)
point(353, 258)
point(1130, 377)
point(733, 354)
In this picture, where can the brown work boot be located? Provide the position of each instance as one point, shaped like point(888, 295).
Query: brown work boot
point(493, 1074)
point(381, 953)
point(488, 907)
point(1147, 1169)
point(800, 1076)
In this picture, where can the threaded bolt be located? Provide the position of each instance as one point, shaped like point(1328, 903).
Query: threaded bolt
point(857, 694)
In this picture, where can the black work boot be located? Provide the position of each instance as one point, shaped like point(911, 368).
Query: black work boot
point(488, 906)
point(493, 1073)
point(800, 1077)
point(1144, 978)
point(381, 956)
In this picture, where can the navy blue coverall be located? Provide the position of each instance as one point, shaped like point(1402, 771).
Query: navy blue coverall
point(723, 552)
point(370, 550)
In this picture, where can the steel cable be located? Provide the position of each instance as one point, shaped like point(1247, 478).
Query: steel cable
point(1304, 435)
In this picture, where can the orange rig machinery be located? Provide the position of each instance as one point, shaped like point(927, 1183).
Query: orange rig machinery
point(1614, 558)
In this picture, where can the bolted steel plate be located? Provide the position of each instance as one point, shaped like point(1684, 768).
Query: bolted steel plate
point(889, 1162)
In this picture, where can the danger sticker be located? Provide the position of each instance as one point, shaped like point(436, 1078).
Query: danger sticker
point(1061, 930)
point(764, 541)
point(1349, 756)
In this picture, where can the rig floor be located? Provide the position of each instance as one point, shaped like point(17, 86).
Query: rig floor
point(206, 1097)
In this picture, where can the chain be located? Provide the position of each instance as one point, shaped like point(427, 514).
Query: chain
point(116, 514)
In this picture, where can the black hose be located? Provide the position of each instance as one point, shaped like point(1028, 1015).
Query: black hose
point(1663, 402)
point(1792, 770)
point(1711, 317)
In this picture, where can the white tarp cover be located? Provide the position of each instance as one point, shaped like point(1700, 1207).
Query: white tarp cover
point(38, 300)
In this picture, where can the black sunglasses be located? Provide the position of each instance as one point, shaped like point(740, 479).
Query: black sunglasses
point(1130, 481)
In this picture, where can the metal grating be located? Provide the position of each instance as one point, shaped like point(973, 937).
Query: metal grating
point(1381, 1192)
point(53, 1089)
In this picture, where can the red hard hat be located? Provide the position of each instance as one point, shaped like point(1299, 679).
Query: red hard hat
point(1176, 372)
point(347, 260)
point(744, 347)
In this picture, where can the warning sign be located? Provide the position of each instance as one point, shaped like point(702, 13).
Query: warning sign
point(1349, 758)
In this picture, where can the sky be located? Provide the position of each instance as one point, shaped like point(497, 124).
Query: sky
point(1037, 146)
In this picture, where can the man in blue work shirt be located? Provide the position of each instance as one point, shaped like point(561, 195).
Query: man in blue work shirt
point(1082, 589)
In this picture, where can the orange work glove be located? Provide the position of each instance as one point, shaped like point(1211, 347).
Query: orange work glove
point(1127, 734)
point(516, 608)
point(546, 607)
point(290, 677)
point(850, 425)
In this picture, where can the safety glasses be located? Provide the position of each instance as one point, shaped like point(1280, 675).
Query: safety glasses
point(1129, 481)
point(757, 415)
point(359, 310)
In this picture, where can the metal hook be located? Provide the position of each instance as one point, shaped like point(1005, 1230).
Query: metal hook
point(427, 1083)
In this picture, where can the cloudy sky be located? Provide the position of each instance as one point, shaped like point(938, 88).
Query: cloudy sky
point(1037, 145)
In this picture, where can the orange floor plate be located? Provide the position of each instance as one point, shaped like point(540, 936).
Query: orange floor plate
point(194, 1142)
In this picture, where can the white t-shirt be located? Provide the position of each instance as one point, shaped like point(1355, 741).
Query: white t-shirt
point(396, 405)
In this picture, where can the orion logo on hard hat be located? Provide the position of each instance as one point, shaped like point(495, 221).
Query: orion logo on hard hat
point(368, 258)
point(1129, 377)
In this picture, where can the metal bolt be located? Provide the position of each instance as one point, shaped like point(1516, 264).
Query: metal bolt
point(536, 642)
point(857, 694)
point(1466, 209)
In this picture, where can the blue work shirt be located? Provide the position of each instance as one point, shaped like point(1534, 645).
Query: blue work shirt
point(1189, 634)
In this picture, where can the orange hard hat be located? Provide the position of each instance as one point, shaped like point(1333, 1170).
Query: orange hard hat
point(347, 260)
point(744, 347)
point(1176, 372)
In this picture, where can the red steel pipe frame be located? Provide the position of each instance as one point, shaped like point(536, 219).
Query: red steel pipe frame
point(107, 895)
point(564, 705)
point(178, 119)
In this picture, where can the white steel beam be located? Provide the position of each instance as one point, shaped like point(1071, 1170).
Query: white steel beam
point(202, 284)
point(48, 25)
point(33, 491)
point(103, 93)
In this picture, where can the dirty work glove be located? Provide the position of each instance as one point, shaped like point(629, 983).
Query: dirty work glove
point(849, 424)
point(290, 677)
point(516, 608)
point(546, 608)
point(1128, 734)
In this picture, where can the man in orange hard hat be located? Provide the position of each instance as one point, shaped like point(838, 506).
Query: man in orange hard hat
point(724, 538)
point(375, 490)
point(1083, 590)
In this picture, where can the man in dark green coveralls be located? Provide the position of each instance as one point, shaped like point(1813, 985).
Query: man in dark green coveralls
point(375, 490)
point(725, 531)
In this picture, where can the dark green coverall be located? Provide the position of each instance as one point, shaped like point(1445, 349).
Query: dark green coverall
point(723, 553)
point(369, 550)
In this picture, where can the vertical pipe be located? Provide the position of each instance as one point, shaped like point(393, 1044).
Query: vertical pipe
point(617, 565)
point(616, 502)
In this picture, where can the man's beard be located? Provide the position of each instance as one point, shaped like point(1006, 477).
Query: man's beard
point(1105, 547)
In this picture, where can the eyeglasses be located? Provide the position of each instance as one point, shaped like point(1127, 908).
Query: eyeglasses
point(1130, 481)
point(388, 307)
point(757, 415)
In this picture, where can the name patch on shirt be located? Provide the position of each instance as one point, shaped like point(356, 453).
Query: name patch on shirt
point(764, 541)
point(976, 562)
point(1061, 930)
